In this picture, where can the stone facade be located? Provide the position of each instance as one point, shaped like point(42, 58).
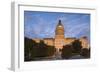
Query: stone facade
point(60, 40)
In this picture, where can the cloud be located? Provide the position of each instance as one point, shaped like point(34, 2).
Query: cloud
point(43, 24)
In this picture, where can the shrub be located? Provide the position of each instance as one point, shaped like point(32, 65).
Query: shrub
point(85, 52)
point(77, 46)
point(66, 51)
point(41, 50)
point(28, 44)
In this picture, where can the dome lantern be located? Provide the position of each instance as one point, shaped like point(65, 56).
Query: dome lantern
point(59, 29)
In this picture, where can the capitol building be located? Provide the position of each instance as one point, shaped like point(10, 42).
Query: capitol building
point(60, 40)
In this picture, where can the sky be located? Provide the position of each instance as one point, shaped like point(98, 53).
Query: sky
point(43, 24)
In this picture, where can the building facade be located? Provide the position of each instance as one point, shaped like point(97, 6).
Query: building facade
point(60, 40)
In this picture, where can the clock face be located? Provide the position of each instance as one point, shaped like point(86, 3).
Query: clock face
point(60, 26)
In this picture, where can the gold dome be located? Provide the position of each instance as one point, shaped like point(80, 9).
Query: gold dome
point(59, 28)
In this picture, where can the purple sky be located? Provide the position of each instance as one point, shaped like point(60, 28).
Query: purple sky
point(42, 24)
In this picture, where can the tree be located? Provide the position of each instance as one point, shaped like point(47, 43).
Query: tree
point(77, 46)
point(42, 50)
point(38, 50)
point(28, 44)
point(66, 51)
point(50, 50)
point(35, 50)
point(85, 52)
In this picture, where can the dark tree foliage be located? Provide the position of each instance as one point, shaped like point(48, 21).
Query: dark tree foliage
point(67, 51)
point(71, 50)
point(37, 50)
point(42, 50)
point(85, 53)
point(28, 44)
point(77, 46)
point(50, 50)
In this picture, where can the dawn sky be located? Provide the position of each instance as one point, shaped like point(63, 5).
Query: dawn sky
point(43, 24)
